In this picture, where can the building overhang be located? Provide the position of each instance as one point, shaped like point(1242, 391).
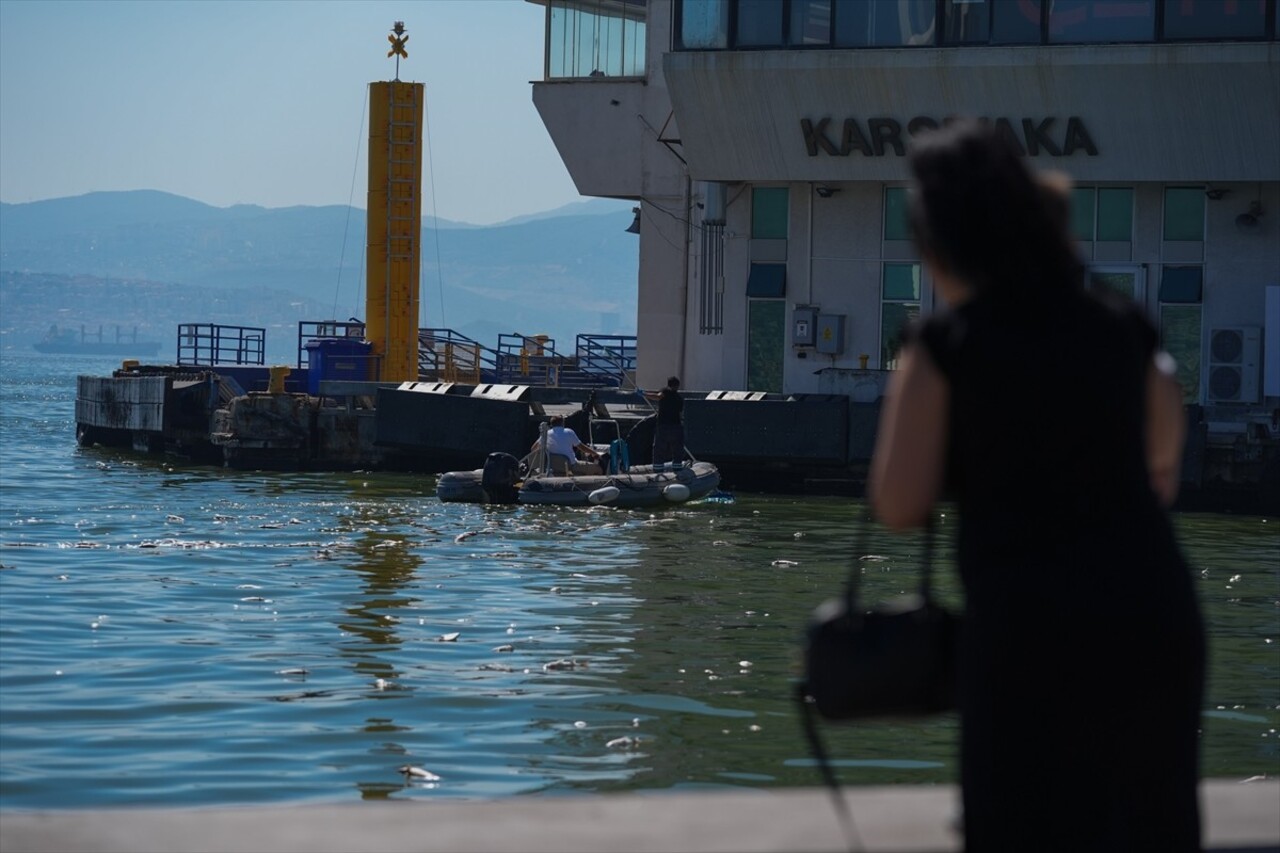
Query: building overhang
point(1167, 112)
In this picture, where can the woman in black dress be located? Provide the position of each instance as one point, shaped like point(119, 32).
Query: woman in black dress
point(1053, 420)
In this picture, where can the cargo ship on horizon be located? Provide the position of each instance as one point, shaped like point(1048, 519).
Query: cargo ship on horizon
point(69, 342)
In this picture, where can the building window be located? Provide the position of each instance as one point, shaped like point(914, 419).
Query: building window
point(1181, 293)
point(1102, 214)
point(1207, 20)
point(899, 306)
point(728, 24)
point(595, 38)
point(759, 23)
point(906, 23)
point(897, 225)
point(766, 344)
point(1126, 281)
point(1184, 214)
point(810, 23)
point(769, 213)
point(703, 24)
point(1101, 21)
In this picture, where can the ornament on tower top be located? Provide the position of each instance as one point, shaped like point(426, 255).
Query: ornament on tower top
point(397, 44)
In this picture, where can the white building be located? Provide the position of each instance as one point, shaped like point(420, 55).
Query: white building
point(764, 142)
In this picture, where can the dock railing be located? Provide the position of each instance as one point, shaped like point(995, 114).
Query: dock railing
point(447, 356)
point(209, 344)
point(610, 358)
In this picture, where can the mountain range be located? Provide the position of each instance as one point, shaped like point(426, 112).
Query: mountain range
point(151, 260)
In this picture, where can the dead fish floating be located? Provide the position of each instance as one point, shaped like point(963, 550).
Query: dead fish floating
point(564, 663)
point(784, 564)
point(417, 774)
point(624, 742)
point(448, 638)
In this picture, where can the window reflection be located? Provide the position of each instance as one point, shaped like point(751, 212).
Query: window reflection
point(596, 38)
point(1097, 21)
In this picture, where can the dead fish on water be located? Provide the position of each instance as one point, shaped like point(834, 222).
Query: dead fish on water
point(174, 518)
point(564, 663)
point(494, 667)
point(417, 773)
point(783, 564)
point(463, 537)
point(507, 648)
point(624, 742)
point(448, 638)
point(295, 671)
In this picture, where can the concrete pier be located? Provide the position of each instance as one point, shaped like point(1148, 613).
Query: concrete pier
point(1239, 817)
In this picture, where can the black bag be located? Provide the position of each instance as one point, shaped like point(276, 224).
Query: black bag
point(896, 660)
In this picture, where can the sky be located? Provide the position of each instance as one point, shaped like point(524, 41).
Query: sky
point(265, 101)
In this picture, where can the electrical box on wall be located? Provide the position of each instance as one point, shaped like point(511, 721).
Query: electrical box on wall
point(830, 334)
point(804, 326)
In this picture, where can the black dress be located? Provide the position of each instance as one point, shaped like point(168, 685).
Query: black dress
point(1082, 660)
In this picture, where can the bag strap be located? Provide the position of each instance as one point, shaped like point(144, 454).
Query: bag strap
point(808, 717)
point(809, 723)
point(854, 580)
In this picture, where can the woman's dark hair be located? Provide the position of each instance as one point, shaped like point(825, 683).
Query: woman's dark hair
point(983, 215)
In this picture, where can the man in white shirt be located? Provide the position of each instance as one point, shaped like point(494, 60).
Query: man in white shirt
point(563, 446)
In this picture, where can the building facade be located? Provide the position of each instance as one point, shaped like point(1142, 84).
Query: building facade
point(765, 144)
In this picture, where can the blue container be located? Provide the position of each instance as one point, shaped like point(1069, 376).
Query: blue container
point(336, 358)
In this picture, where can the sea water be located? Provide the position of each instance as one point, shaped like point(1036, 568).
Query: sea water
point(176, 634)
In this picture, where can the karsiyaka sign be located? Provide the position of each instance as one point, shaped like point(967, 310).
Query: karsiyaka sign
point(879, 135)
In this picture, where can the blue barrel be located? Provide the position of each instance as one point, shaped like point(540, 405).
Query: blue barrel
point(336, 359)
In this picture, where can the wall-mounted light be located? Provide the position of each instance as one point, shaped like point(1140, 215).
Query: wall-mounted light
point(825, 191)
point(1249, 219)
point(1215, 193)
point(634, 227)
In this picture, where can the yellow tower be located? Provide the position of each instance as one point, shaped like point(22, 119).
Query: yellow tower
point(394, 222)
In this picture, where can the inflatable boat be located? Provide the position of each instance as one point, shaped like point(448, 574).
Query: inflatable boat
point(638, 486)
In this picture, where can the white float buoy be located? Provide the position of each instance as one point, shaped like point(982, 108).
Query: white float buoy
point(676, 492)
point(604, 495)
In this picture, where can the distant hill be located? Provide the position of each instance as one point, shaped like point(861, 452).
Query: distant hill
point(567, 271)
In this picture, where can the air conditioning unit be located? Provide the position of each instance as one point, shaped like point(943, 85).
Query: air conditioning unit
point(1234, 357)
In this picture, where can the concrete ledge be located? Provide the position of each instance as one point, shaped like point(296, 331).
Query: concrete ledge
point(901, 819)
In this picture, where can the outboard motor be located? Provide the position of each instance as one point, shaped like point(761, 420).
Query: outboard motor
point(499, 477)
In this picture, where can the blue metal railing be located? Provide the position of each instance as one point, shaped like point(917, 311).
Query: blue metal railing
point(611, 358)
point(447, 356)
point(208, 344)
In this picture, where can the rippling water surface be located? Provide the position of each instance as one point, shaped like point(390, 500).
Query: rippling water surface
point(183, 635)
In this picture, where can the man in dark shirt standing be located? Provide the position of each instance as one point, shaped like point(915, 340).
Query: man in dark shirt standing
point(668, 437)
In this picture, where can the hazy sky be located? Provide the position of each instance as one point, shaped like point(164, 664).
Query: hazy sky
point(264, 101)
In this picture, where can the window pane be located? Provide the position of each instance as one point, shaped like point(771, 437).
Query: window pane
point(968, 22)
point(1095, 21)
point(1115, 213)
point(594, 40)
point(1082, 213)
point(901, 281)
point(1182, 284)
point(810, 22)
point(759, 23)
point(767, 280)
point(853, 28)
point(1015, 22)
point(704, 24)
point(766, 325)
point(887, 24)
point(894, 317)
point(1184, 213)
point(896, 226)
point(1119, 283)
point(1180, 336)
point(1215, 19)
point(769, 213)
